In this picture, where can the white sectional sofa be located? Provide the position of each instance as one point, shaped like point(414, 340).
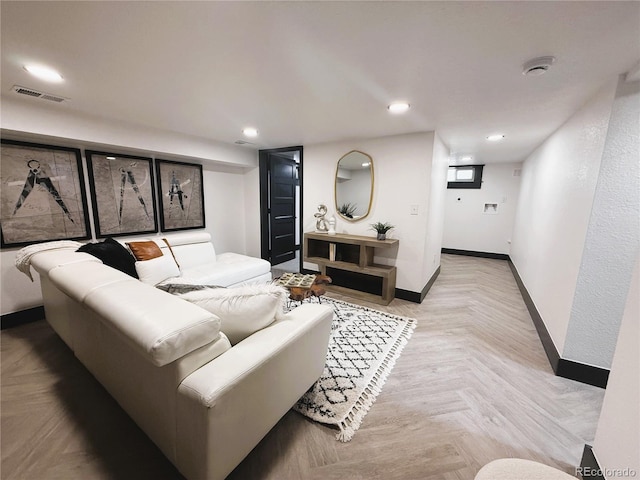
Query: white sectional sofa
point(198, 262)
point(203, 402)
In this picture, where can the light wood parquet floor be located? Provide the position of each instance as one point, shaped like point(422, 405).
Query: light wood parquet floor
point(472, 385)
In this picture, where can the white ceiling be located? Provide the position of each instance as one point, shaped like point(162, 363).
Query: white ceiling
point(313, 72)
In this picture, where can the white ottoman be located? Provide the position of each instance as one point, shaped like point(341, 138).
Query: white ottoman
point(518, 469)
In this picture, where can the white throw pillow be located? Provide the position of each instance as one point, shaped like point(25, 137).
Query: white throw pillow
point(157, 269)
point(242, 310)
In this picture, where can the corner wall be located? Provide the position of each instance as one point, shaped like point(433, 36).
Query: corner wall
point(468, 227)
point(436, 213)
point(577, 231)
point(556, 194)
point(29, 117)
point(405, 167)
point(612, 238)
point(617, 442)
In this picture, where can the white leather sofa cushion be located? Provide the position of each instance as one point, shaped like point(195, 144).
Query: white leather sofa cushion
point(188, 364)
point(157, 270)
point(188, 238)
point(43, 262)
point(162, 327)
point(242, 310)
point(191, 256)
point(199, 264)
point(66, 279)
point(228, 269)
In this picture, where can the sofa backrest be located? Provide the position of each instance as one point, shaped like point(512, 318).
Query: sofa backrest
point(193, 254)
point(158, 325)
point(191, 249)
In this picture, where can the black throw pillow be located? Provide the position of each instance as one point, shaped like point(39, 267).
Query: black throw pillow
point(113, 254)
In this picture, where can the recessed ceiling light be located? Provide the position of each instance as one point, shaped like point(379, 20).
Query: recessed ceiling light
point(44, 73)
point(398, 107)
point(250, 132)
point(496, 137)
point(111, 158)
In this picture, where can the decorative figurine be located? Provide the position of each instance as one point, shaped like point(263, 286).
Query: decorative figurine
point(332, 226)
point(321, 223)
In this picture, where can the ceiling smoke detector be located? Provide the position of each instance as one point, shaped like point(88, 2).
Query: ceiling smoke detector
point(538, 66)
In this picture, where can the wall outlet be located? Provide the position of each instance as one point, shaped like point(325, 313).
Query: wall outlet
point(413, 209)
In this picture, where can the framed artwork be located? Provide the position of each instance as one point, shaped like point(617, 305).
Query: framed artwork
point(181, 195)
point(43, 194)
point(123, 194)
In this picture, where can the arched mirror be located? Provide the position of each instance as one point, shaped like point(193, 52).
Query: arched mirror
point(354, 185)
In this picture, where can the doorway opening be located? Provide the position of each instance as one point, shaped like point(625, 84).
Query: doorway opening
point(281, 208)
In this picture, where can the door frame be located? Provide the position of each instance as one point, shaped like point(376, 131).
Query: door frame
point(263, 166)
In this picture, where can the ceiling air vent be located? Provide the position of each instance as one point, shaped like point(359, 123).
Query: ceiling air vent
point(37, 94)
point(53, 98)
point(243, 142)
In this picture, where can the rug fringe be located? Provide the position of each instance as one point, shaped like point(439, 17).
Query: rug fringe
point(352, 420)
point(354, 417)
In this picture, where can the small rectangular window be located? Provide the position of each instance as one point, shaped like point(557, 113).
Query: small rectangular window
point(467, 176)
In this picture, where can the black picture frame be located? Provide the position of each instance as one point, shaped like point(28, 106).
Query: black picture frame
point(123, 194)
point(181, 195)
point(43, 196)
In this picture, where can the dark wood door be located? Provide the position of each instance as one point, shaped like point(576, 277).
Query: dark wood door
point(283, 178)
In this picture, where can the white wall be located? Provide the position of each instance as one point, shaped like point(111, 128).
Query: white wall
point(403, 174)
point(436, 214)
point(467, 227)
point(230, 180)
point(612, 238)
point(225, 210)
point(32, 117)
point(252, 212)
point(554, 207)
point(617, 441)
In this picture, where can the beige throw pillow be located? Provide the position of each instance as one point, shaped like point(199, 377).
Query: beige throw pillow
point(242, 310)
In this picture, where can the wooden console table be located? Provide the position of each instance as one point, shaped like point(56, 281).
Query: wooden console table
point(348, 260)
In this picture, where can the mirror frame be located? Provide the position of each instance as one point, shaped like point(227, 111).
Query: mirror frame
point(335, 188)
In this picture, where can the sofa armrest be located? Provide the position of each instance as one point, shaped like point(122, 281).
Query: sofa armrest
point(226, 407)
point(160, 326)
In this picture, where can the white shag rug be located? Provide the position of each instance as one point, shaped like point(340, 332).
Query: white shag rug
point(363, 349)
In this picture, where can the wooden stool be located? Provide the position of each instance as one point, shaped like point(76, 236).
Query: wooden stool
point(298, 294)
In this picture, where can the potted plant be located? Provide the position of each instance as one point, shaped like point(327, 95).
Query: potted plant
point(382, 229)
point(347, 210)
